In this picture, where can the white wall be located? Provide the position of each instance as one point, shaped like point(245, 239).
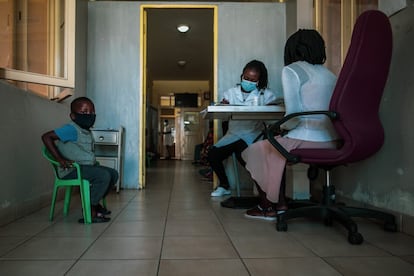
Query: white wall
point(250, 31)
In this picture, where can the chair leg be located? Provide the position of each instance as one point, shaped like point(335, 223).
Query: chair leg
point(66, 204)
point(236, 174)
point(388, 219)
point(52, 206)
point(86, 202)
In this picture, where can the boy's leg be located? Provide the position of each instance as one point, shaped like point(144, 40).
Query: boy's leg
point(114, 178)
point(99, 178)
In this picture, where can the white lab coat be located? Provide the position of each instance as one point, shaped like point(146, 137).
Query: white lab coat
point(247, 130)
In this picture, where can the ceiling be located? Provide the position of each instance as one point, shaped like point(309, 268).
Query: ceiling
point(166, 46)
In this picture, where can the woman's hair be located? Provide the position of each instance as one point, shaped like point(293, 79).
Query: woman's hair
point(305, 45)
point(257, 66)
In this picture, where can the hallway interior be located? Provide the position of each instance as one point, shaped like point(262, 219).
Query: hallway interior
point(174, 227)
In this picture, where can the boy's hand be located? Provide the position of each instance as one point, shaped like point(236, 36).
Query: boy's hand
point(65, 163)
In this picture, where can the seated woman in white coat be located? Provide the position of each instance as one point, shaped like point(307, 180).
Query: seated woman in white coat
point(307, 85)
point(251, 91)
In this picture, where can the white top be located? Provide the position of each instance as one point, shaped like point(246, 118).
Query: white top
point(247, 130)
point(308, 87)
point(168, 136)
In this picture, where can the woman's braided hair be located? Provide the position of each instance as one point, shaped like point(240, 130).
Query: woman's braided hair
point(305, 45)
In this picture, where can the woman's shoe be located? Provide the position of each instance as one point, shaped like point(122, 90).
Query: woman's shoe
point(220, 191)
point(258, 212)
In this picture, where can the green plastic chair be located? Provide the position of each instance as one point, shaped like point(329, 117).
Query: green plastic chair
point(68, 184)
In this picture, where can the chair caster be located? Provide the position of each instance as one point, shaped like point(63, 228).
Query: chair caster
point(355, 238)
point(390, 227)
point(281, 226)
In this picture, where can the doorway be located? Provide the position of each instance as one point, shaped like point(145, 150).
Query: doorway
point(177, 62)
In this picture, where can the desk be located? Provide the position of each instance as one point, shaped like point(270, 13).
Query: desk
point(238, 112)
point(243, 112)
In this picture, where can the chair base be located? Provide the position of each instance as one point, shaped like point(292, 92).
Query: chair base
point(328, 212)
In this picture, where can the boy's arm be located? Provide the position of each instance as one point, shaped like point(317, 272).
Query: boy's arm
point(48, 139)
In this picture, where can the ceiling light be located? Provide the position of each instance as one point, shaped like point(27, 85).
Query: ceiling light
point(183, 28)
point(181, 62)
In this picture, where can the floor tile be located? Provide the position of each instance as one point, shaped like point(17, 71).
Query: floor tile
point(269, 247)
point(136, 228)
point(336, 244)
point(196, 227)
point(107, 248)
point(309, 266)
point(51, 248)
point(35, 268)
point(375, 266)
point(197, 248)
point(9, 243)
point(228, 267)
point(114, 267)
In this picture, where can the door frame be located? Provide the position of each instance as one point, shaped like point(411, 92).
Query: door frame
point(143, 73)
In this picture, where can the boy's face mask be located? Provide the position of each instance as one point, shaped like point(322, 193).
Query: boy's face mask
point(85, 121)
point(248, 86)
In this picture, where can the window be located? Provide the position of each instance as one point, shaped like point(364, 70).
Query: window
point(37, 44)
point(335, 20)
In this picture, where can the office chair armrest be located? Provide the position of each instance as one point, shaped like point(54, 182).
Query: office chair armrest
point(276, 130)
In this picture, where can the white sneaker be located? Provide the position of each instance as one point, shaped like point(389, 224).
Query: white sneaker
point(220, 191)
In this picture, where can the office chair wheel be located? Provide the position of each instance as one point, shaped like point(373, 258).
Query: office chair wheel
point(355, 238)
point(390, 227)
point(281, 226)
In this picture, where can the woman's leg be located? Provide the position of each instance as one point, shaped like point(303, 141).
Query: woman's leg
point(216, 156)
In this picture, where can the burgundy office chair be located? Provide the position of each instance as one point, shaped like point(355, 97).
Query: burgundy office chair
point(354, 112)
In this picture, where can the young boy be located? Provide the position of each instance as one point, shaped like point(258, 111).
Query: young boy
point(73, 142)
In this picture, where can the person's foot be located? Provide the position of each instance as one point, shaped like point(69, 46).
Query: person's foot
point(102, 210)
point(220, 191)
point(258, 212)
point(97, 217)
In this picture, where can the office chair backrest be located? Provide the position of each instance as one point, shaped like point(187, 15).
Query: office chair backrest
point(360, 86)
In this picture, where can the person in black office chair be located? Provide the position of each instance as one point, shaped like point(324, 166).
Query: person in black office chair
point(307, 85)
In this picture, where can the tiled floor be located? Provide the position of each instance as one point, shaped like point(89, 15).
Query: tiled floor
point(173, 227)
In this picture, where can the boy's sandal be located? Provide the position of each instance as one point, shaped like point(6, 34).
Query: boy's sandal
point(103, 210)
point(95, 220)
point(99, 218)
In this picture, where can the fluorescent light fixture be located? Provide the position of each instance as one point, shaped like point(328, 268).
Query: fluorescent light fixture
point(182, 28)
point(181, 62)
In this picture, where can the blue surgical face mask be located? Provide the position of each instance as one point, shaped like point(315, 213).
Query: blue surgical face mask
point(248, 86)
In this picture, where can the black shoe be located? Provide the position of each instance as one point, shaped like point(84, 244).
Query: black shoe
point(102, 210)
